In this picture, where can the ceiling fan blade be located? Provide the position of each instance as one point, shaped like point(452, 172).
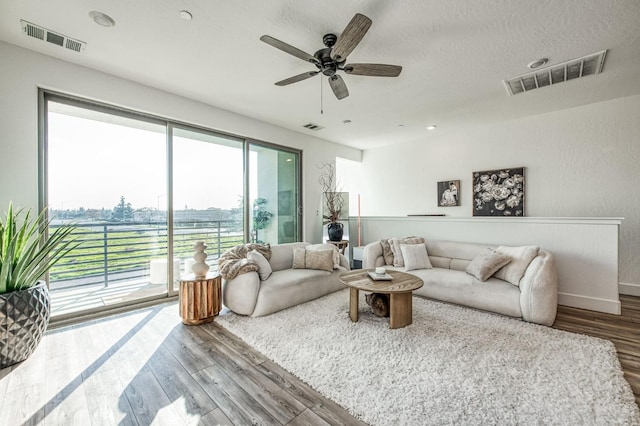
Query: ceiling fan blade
point(287, 48)
point(373, 70)
point(350, 37)
point(338, 86)
point(297, 78)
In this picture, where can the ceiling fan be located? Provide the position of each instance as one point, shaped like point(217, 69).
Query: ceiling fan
point(333, 57)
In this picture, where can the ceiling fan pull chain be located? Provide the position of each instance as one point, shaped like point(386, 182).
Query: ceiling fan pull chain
point(321, 98)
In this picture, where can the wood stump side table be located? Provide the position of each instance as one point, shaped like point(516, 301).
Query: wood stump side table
point(341, 245)
point(200, 298)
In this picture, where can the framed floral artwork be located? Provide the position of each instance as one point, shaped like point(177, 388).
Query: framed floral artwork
point(499, 192)
point(448, 193)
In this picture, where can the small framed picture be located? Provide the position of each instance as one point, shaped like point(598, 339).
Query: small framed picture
point(448, 193)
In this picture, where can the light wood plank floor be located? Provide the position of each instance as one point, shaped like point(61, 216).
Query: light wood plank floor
point(145, 367)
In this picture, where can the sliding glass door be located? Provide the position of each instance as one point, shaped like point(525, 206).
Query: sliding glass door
point(208, 187)
point(106, 173)
point(143, 190)
point(273, 194)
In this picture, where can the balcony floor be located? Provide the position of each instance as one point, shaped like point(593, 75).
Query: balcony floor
point(76, 299)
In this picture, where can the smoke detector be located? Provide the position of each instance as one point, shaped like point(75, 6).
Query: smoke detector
point(570, 70)
point(41, 33)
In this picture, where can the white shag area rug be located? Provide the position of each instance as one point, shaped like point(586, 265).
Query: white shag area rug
point(453, 365)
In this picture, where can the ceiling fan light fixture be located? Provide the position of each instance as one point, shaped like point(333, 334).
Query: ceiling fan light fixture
point(102, 19)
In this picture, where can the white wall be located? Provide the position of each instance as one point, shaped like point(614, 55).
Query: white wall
point(581, 162)
point(22, 72)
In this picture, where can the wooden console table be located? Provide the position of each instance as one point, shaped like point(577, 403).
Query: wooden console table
point(200, 298)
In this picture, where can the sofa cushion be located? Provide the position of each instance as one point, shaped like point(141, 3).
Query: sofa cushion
point(312, 259)
point(486, 264)
point(294, 286)
point(458, 287)
point(521, 257)
point(415, 256)
point(282, 255)
point(395, 248)
point(264, 268)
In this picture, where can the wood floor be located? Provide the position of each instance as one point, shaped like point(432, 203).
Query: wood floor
point(145, 367)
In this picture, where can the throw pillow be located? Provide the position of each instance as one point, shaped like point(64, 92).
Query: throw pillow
point(264, 267)
point(299, 258)
point(319, 259)
point(387, 254)
point(486, 264)
point(395, 248)
point(521, 257)
point(336, 253)
point(312, 259)
point(415, 256)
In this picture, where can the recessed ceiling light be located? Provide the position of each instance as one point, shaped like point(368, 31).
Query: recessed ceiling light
point(346, 121)
point(431, 127)
point(102, 18)
point(538, 63)
point(186, 15)
point(400, 125)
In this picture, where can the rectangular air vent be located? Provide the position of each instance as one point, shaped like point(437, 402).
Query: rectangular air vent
point(41, 33)
point(312, 126)
point(576, 68)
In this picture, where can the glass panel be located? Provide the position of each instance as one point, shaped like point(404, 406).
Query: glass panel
point(207, 195)
point(107, 173)
point(273, 195)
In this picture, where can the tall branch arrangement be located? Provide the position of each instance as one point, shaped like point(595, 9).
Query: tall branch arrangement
point(332, 196)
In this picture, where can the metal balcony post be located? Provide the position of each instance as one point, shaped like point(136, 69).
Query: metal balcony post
point(219, 245)
point(104, 256)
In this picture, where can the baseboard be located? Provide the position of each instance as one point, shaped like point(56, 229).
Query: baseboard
point(629, 289)
point(591, 303)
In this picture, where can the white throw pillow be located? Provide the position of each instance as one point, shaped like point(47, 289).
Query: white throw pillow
point(395, 243)
point(521, 257)
point(415, 256)
point(486, 264)
point(264, 267)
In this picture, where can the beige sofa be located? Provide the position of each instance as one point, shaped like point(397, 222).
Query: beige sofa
point(534, 299)
point(246, 294)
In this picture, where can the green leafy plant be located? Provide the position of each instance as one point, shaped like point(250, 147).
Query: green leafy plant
point(26, 254)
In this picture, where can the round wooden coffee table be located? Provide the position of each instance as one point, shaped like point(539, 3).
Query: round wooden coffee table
point(399, 289)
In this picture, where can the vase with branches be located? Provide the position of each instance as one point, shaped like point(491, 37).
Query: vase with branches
point(333, 202)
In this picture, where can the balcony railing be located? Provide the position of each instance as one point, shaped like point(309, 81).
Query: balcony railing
point(116, 251)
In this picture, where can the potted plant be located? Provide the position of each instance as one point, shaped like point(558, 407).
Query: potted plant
point(333, 202)
point(26, 255)
point(261, 217)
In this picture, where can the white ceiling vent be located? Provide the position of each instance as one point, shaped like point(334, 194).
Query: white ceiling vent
point(44, 34)
point(312, 126)
point(576, 68)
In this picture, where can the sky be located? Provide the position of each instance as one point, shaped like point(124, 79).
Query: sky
point(92, 163)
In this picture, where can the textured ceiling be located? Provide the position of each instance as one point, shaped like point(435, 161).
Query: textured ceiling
point(454, 53)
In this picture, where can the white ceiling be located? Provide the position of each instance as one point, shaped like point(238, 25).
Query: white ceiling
point(454, 53)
